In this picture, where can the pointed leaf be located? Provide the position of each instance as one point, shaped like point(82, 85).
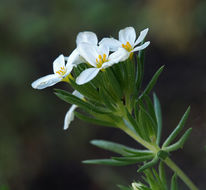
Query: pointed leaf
point(109, 162)
point(178, 128)
point(174, 185)
point(120, 149)
point(93, 120)
point(163, 175)
point(134, 159)
point(180, 142)
point(67, 97)
point(148, 164)
point(158, 114)
point(152, 82)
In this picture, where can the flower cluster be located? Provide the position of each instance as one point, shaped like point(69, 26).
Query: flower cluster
point(107, 80)
point(96, 55)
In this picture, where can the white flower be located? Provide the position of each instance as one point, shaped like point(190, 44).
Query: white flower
point(98, 57)
point(69, 117)
point(87, 37)
point(60, 72)
point(127, 41)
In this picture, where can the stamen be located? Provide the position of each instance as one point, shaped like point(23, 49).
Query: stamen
point(100, 60)
point(62, 71)
point(104, 57)
point(127, 46)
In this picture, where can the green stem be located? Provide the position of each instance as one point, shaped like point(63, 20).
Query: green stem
point(167, 161)
point(141, 141)
point(180, 173)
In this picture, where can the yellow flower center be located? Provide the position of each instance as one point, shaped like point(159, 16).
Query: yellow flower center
point(62, 71)
point(127, 46)
point(101, 60)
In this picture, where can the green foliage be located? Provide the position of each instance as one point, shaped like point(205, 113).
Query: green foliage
point(177, 129)
point(158, 115)
point(154, 180)
point(115, 99)
point(129, 155)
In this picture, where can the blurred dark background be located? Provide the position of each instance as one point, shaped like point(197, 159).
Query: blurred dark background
point(35, 152)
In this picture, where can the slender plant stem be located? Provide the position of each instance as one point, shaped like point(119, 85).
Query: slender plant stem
point(180, 173)
point(141, 141)
point(167, 161)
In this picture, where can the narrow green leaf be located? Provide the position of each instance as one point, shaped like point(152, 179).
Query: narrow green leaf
point(150, 107)
point(148, 164)
point(93, 120)
point(152, 82)
point(131, 76)
point(108, 162)
point(131, 122)
point(115, 147)
point(157, 179)
point(158, 114)
point(112, 85)
point(106, 98)
point(180, 142)
point(87, 90)
point(140, 69)
point(67, 97)
point(174, 185)
point(147, 125)
point(120, 149)
point(163, 175)
point(138, 152)
point(134, 159)
point(177, 129)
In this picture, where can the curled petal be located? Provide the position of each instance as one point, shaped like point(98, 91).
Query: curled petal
point(120, 55)
point(46, 81)
point(101, 49)
point(58, 63)
point(69, 117)
point(127, 34)
point(87, 75)
point(74, 58)
point(88, 52)
point(88, 37)
point(141, 37)
point(112, 43)
point(143, 46)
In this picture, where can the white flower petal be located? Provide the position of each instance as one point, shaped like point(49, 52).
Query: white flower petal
point(58, 63)
point(101, 50)
point(112, 43)
point(74, 58)
point(141, 37)
point(127, 35)
point(120, 55)
point(143, 46)
point(88, 52)
point(107, 64)
point(69, 117)
point(87, 75)
point(78, 94)
point(46, 81)
point(88, 37)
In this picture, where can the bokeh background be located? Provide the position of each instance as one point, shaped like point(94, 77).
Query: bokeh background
point(35, 152)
